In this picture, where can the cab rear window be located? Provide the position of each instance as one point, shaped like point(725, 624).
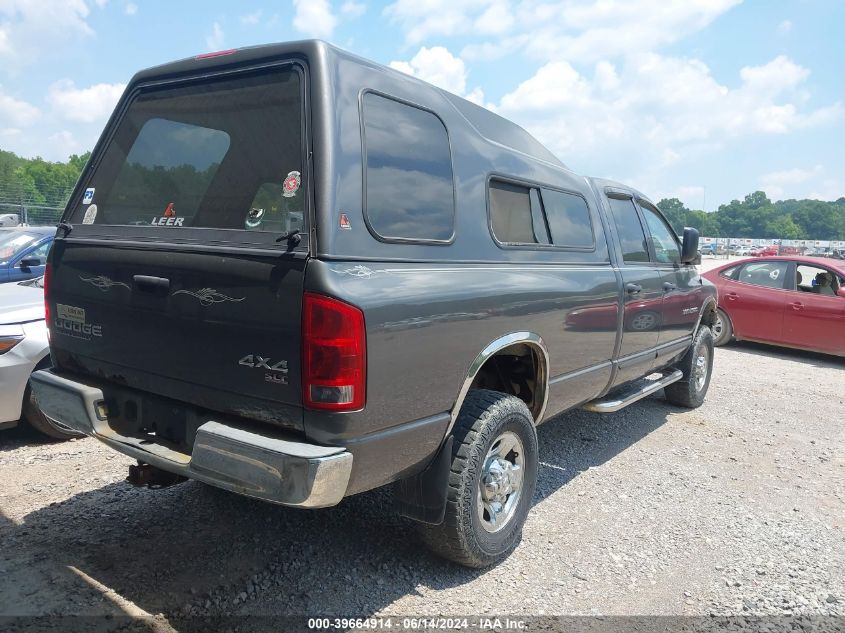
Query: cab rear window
point(221, 154)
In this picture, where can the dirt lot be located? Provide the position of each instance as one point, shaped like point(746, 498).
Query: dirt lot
point(734, 508)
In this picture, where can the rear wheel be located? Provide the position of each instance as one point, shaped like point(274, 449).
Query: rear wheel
point(491, 483)
point(697, 367)
point(722, 329)
point(41, 422)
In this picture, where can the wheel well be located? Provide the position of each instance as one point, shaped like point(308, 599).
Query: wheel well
point(519, 370)
point(709, 315)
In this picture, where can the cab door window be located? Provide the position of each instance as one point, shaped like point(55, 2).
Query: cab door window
point(630, 230)
point(666, 247)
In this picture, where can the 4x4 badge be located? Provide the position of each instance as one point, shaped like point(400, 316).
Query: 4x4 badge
point(259, 362)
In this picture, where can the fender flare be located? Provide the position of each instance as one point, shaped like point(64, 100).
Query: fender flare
point(535, 341)
point(709, 303)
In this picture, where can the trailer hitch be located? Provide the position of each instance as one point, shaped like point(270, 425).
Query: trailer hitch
point(152, 477)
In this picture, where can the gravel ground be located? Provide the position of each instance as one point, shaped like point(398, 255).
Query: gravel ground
point(733, 508)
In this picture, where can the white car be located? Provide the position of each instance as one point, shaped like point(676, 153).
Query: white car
point(742, 251)
point(24, 347)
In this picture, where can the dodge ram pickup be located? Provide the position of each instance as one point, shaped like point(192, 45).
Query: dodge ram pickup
point(296, 274)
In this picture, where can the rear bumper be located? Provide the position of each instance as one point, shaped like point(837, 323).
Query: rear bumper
point(251, 463)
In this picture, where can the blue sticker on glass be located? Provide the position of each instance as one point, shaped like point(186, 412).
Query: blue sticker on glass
point(88, 198)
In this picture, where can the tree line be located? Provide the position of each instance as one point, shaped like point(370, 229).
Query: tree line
point(758, 217)
point(37, 182)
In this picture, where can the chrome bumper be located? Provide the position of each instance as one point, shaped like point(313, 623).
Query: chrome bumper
point(243, 461)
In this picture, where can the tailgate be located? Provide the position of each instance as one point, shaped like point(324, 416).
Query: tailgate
point(219, 332)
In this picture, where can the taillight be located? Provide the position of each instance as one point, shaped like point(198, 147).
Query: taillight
point(48, 271)
point(334, 348)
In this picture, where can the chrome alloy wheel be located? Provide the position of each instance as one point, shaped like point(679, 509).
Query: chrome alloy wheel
point(500, 485)
point(701, 368)
point(718, 328)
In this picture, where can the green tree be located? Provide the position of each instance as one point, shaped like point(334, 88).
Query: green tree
point(821, 220)
point(757, 200)
point(675, 212)
point(784, 228)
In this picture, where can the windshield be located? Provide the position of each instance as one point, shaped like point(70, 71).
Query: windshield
point(13, 242)
point(223, 154)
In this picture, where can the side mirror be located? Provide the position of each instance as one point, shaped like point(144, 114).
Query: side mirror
point(841, 293)
point(689, 249)
point(30, 262)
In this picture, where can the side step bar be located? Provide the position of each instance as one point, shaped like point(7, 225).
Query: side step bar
point(628, 395)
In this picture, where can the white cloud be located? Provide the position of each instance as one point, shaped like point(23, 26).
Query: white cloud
point(785, 26)
point(815, 182)
point(496, 19)
point(314, 18)
point(353, 9)
point(214, 40)
point(422, 19)
point(829, 189)
point(438, 66)
point(64, 144)
point(659, 109)
point(85, 105)
point(578, 30)
point(131, 8)
point(691, 195)
point(30, 29)
point(18, 113)
point(251, 19)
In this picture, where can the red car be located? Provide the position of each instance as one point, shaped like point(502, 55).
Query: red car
point(790, 301)
point(766, 251)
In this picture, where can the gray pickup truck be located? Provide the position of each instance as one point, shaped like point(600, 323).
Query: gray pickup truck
point(298, 275)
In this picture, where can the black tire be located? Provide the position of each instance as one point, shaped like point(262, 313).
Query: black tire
point(41, 423)
point(723, 330)
point(485, 418)
point(690, 390)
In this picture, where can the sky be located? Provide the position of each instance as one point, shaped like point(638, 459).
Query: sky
point(704, 100)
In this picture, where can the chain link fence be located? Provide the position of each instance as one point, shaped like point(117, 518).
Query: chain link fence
point(31, 215)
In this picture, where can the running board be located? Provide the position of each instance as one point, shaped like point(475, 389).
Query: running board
point(630, 394)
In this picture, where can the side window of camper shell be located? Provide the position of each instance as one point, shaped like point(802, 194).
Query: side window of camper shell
point(409, 184)
point(522, 215)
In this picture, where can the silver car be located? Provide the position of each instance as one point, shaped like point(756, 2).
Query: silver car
point(24, 347)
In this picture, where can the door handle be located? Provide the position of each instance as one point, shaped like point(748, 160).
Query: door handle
point(732, 296)
point(797, 305)
point(633, 289)
point(668, 286)
point(152, 285)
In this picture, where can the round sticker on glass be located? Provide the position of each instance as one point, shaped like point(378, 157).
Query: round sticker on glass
point(291, 184)
point(254, 218)
point(90, 215)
